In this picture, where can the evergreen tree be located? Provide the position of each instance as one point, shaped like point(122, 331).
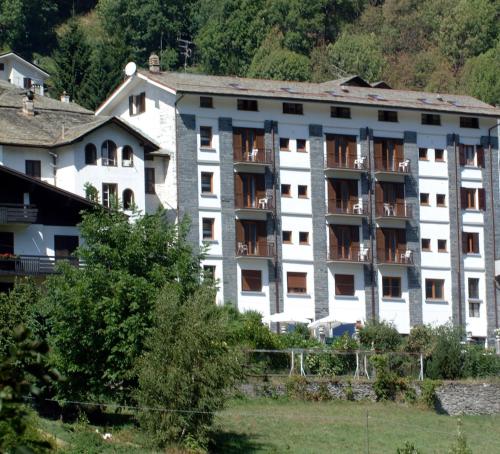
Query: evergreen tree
point(72, 61)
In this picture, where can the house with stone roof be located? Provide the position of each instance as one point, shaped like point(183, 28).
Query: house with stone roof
point(22, 73)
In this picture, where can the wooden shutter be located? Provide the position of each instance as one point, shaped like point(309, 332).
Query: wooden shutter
point(261, 231)
point(259, 139)
point(480, 156)
point(463, 198)
point(260, 186)
point(378, 149)
point(142, 102)
point(465, 238)
point(332, 193)
point(237, 143)
point(131, 105)
point(355, 236)
point(399, 189)
point(334, 242)
point(401, 238)
point(344, 284)
point(379, 192)
point(475, 243)
point(330, 148)
point(296, 282)
point(238, 188)
point(380, 239)
point(240, 231)
point(251, 280)
point(351, 147)
point(461, 154)
point(398, 152)
point(353, 190)
point(481, 196)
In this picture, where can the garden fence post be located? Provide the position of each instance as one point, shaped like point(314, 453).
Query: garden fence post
point(421, 375)
point(293, 362)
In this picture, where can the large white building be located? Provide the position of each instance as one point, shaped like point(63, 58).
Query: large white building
point(336, 199)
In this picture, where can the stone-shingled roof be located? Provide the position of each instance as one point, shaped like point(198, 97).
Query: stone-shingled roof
point(336, 92)
point(55, 123)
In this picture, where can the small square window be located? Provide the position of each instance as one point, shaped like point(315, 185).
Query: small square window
point(287, 236)
point(474, 309)
point(439, 155)
point(251, 280)
point(426, 244)
point(441, 245)
point(422, 154)
point(286, 190)
point(303, 237)
point(302, 191)
point(470, 242)
point(388, 115)
point(344, 285)
point(391, 287)
point(206, 102)
point(340, 112)
point(284, 144)
point(424, 198)
point(208, 228)
point(205, 136)
point(301, 145)
point(209, 272)
point(296, 282)
point(207, 182)
point(469, 122)
point(441, 200)
point(434, 289)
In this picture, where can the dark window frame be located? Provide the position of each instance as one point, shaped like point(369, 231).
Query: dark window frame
point(247, 105)
point(302, 188)
point(340, 112)
point(90, 154)
point(109, 192)
point(210, 176)
point(431, 119)
point(205, 223)
point(288, 239)
point(344, 285)
point(393, 285)
point(206, 102)
point(149, 180)
point(206, 134)
point(440, 248)
point(296, 289)
point(250, 277)
point(426, 244)
point(390, 116)
point(33, 168)
point(469, 122)
point(434, 289)
point(287, 193)
point(293, 108)
point(303, 241)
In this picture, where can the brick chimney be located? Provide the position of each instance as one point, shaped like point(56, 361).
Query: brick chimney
point(29, 104)
point(64, 97)
point(154, 63)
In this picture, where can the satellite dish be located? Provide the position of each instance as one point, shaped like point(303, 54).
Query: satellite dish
point(130, 69)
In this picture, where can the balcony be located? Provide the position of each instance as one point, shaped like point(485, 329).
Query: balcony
point(352, 254)
point(346, 162)
point(32, 265)
point(396, 210)
point(351, 207)
point(17, 213)
point(255, 156)
point(391, 167)
point(245, 202)
point(400, 256)
point(257, 249)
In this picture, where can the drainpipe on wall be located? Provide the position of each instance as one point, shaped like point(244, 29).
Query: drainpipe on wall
point(493, 227)
point(276, 264)
point(371, 227)
point(460, 234)
point(177, 100)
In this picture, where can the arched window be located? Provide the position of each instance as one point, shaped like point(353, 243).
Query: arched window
point(90, 154)
point(108, 153)
point(127, 156)
point(128, 199)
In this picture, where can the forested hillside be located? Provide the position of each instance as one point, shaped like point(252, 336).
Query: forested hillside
point(436, 45)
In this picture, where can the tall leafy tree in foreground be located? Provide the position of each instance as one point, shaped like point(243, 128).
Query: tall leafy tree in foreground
point(98, 316)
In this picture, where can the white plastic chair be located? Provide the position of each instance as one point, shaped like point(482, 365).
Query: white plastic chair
point(253, 154)
point(388, 209)
point(357, 208)
point(359, 163)
point(242, 248)
point(263, 203)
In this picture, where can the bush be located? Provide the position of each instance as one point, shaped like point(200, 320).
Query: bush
point(380, 335)
point(428, 392)
point(479, 362)
point(447, 357)
point(408, 448)
point(296, 387)
point(387, 384)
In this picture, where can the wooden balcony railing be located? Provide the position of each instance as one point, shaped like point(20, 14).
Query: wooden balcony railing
point(32, 265)
point(347, 161)
point(349, 254)
point(243, 201)
point(261, 248)
point(17, 213)
point(403, 256)
point(254, 156)
point(351, 207)
point(394, 210)
point(396, 165)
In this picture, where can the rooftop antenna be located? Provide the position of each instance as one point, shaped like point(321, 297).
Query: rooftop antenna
point(185, 50)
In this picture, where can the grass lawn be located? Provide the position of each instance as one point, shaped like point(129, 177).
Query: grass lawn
point(276, 426)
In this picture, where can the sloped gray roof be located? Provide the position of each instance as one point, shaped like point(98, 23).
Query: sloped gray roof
point(55, 123)
point(340, 91)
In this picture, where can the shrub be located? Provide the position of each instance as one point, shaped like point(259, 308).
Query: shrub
point(460, 445)
point(446, 358)
point(408, 448)
point(428, 392)
point(349, 393)
point(387, 383)
point(479, 362)
point(380, 335)
point(296, 387)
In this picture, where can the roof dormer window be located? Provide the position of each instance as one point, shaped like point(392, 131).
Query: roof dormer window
point(137, 104)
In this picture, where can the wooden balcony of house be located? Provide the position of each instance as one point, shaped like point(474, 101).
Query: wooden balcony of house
point(32, 265)
point(394, 166)
point(253, 156)
point(257, 203)
point(11, 213)
point(346, 207)
point(393, 210)
point(257, 249)
point(399, 256)
point(346, 162)
point(351, 254)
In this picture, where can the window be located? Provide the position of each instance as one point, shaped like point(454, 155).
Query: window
point(302, 191)
point(2, 67)
point(388, 115)
point(209, 272)
point(303, 237)
point(293, 108)
point(469, 122)
point(301, 145)
point(391, 287)
point(469, 155)
point(284, 144)
point(207, 182)
point(340, 112)
point(441, 245)
point(470, 242)
point(33, 168)
point(473, 285)
point(286, 190)
point(149, 175)
point(431, 119)
point(426, 244)
point(422, 154)
point(205, 136)
point(206, 102)
point(208, 228)
point(127, 156)
point(344, 285)
point(474, 309)
point(287, 236)
point(108, 153)
point(440, 200)
point(90, 154)
point(109, 194)
point(128, 199)
point(137, 104)
point(248, 104)
point(439, 154)
point(434, 289)
point(468, 198)
point(251, 280)
point(424, 198)
point(27, 83)
point(65, 245)
point(296, 282)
